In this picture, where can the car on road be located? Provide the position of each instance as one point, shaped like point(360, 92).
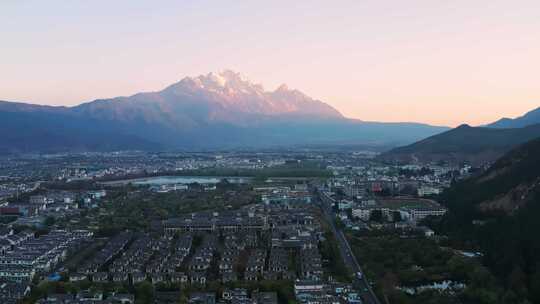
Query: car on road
point(359, 275)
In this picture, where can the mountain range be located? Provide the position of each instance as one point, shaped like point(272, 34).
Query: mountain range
point(530, 118)
point(217, 110)
point(510, 183)
point(474, 145)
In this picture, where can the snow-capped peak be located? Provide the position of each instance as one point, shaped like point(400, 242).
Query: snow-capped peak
point(234, 92)
point(217, 78)
point(225, 82)
point(283, 87)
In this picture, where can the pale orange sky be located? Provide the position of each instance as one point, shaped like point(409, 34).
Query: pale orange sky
point(439, 62)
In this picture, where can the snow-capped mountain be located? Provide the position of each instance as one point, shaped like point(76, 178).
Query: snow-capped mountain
point(224, 97)
point(233, 92)
point(209, 111)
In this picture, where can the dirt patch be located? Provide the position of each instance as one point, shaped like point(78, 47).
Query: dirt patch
point(511, 201)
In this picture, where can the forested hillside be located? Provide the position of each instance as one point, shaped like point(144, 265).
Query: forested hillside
point(498, 214)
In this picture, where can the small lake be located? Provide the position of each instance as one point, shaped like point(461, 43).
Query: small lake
point(171, 180)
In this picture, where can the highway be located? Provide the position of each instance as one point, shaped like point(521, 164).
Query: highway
point(363, 286)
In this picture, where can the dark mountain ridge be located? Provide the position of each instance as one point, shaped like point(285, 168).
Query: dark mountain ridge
point(506, 186)
point(530, 118)
point(497, 214)
point(475, 145)
point(38, 129)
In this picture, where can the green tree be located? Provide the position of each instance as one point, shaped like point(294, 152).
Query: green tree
point(376, 216)
point(49, 221)
point(144, 292)
point(396, 216)
point(517, 281)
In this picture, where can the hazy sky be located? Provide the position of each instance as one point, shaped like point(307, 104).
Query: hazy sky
point(434, 61)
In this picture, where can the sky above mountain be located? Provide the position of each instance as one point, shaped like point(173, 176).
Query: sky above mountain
point(438, 62)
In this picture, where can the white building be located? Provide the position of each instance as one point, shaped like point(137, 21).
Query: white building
point(428, 190)
point(418, 214)
point(362, 213)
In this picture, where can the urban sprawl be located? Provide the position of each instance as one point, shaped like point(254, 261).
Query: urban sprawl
point(206, 227)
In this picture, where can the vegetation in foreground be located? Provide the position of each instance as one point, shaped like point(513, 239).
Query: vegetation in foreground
point(395, 261)
point(496, 213)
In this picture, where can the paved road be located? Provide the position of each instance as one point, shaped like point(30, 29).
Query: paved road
point(349, 259)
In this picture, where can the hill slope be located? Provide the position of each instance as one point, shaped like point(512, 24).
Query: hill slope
point(504, 202)
point(530, 118)
point(30, 128)
point(464, 143)
point(222, 110)
point(506, 186)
